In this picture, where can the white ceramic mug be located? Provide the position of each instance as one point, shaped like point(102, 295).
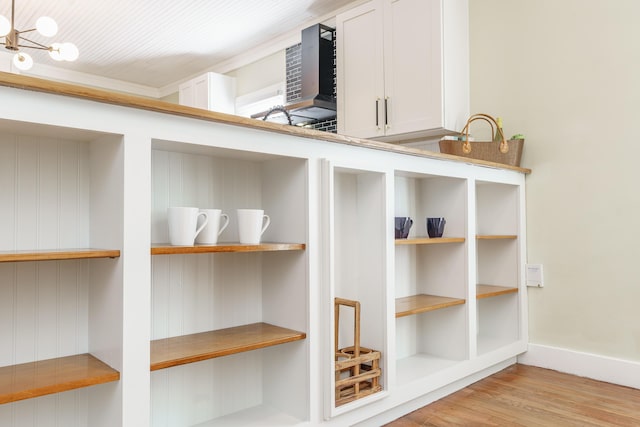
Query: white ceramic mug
point(183, 225)
point(251, 224)
point(211, 231)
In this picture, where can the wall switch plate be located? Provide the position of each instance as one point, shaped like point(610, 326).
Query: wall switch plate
point(534, 275)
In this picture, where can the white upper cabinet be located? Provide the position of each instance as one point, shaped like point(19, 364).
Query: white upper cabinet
point(210, 91)
point(402, 68)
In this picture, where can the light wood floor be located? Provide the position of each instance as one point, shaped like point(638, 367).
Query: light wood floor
point(528, 396)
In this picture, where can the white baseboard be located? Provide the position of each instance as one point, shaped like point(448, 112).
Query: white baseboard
point(601, 368)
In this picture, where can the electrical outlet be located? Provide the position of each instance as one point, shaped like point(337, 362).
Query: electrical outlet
point(534, 275)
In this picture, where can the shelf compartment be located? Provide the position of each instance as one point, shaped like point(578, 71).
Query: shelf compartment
point(488, 291)
point(496, 237)
point(419, 367)
point(166, 249)
point(57, 254)
point(421, 303)
point(429, 241)
point(184, 349)
point(34, 379)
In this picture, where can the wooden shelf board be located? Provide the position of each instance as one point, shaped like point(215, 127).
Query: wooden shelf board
point(181, 350)
point(29, 380)
point(429, 240)
point(421, 303)
point(166, 249)
point(487, 291)
point(57, 254)
point(496, 237)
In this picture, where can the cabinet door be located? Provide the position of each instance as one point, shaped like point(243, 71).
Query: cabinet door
point(360, 66)
point(210, 91)
point(185, 94)
point(195, 93)
point(413, 65)
point(201, 92)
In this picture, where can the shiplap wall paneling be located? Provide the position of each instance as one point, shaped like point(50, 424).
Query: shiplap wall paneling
point(44, 193)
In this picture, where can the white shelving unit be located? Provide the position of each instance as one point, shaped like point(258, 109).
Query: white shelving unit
point(240, 334)
point(239, 311)
point(430, 278)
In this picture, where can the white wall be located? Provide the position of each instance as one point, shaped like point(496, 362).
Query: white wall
point(260, 74)
point(566, 73)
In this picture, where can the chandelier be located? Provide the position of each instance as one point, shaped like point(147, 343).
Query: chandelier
point(14, 40)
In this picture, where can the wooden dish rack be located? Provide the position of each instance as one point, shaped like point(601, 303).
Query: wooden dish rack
point(357, 369)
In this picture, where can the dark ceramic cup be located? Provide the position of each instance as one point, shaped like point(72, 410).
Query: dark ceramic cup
point(435, 226)
point(403, 225)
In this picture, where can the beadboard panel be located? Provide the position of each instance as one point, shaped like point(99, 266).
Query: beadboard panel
point(44, 310)
point(191, 394)
point(197, 293)
point(207, 182)
point(68, 409)
point(45, 187)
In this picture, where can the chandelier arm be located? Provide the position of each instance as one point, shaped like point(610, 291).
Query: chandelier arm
point(26, 31)
point(37, 45)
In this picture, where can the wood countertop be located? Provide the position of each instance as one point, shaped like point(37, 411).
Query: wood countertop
point(99, 95)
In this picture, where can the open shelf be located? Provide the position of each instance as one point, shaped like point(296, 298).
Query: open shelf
point(429, 240)
point(420, 366)
point(487, 291)
point(184, 349)
point(57, 254)
point(34, 379)
point(166, 249)
point(430, 276)
point(421, 303)
point(496, 237)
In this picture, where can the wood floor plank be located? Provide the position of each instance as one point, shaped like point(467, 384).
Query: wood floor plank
point(529, 396)
point(594, 400)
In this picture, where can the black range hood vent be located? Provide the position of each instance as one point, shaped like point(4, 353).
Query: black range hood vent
point(317, 102)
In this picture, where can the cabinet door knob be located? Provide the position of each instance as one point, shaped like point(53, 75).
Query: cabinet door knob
point(377, 113)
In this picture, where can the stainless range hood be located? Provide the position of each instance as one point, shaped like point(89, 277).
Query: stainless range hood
point(317, 102)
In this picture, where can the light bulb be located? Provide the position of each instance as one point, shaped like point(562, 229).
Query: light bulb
point(5, 26)
point(46, 26)
point(54, 52)
point(22, 61)
point(69, 51)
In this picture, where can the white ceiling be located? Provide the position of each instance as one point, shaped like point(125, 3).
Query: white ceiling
point(156, 43)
